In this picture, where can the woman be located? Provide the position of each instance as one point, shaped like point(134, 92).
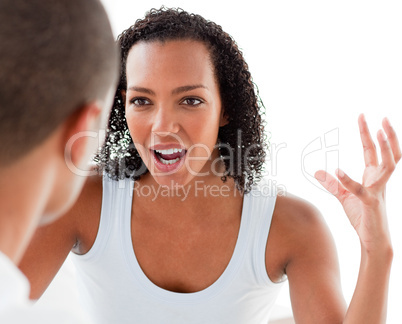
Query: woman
point(177, 231)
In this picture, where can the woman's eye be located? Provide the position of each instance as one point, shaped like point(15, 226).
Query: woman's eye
point(140, 101)
point(192, 101)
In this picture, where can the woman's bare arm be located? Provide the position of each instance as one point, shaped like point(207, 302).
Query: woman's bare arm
point(311, 263)
point(300, 245)
point(52, 243)
point(364, 204)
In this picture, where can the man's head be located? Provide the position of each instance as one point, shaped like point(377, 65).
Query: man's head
point(55, 57)
point(58, 71)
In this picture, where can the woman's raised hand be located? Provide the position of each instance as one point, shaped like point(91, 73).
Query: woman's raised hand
point(364, 203)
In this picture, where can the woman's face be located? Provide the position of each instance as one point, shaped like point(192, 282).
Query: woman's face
point(173, 109)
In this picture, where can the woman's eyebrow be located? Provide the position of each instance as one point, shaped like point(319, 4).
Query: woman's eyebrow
point(141, 89)
point(188, 88)
point(174, 91)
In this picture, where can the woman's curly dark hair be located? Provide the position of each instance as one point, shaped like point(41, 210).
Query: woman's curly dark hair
point(241, 142)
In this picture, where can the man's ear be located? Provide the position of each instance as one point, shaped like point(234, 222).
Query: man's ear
point(223, 118)
point(81, 134)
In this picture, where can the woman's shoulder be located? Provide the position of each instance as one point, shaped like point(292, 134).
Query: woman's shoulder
point(298, 230)
point(290, 211)
point(300, 219)
point(296, 211)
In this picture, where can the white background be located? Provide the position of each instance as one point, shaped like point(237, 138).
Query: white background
point(318, 64)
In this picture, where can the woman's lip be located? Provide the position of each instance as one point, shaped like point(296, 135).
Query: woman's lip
point(167, 168)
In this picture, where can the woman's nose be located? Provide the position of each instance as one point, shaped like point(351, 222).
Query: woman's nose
point(165, 122)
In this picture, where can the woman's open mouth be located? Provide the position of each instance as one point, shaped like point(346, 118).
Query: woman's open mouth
point(169, 159)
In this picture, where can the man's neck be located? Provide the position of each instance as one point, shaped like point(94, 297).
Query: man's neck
point(24, 191)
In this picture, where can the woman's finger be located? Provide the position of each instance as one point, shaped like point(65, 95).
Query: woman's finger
point(388, 160)
point(392, 139)
point(352, 186)
point(331, 184)
point(370, 152)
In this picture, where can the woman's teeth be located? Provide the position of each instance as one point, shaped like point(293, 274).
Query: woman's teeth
point(168, 161)
point(170, 156)
point(169, 151)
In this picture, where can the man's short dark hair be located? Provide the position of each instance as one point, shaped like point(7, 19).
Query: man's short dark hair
point(55, 56)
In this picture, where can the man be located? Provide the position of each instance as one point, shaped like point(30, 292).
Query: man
point(58, 72)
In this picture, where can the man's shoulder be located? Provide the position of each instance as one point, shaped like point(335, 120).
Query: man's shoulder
point(15, 306)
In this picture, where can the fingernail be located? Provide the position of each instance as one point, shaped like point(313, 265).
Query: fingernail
point(320, 177)
point(382, 135)
point(340, 173)
point(387, 121)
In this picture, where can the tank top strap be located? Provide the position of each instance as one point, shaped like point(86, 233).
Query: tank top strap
point(113, 195)
point(262, 200)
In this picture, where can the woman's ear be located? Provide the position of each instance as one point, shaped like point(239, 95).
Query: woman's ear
point(224, 120)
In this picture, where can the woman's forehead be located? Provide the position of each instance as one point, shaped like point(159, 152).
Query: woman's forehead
point(186, 59)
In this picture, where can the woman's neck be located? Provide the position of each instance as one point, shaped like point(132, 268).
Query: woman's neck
point(192, 202)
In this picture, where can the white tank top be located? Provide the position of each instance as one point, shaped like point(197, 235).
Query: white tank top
point(114, 289)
